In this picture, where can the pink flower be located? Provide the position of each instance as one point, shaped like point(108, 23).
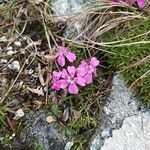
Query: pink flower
point(63, 53)
point(70, 80)
point(141, 3)
point(55, 80)
point(87, 70)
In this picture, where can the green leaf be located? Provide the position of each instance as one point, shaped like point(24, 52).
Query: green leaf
point(39, 147)
point(94, 123)
point(70, 132)
point(55, 110)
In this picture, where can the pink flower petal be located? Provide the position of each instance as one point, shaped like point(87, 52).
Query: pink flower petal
point(73, 89)
point(141, 3)
point(81, 71)
point(53, 86)
point(71, 56)
point(128, 2)
point(64, 74)
point(83, 63)
point(57, 75)
point(57, 54)
point(56, 86)
point(71, 70)
point(65, 50)
point(81, 81)
point(88, 78)
point(61, 61)
point(63, 84)
point(94, 62)
point(62, 49)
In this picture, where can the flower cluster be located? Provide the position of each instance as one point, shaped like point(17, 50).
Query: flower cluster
point(141, 3)
point(72, 77)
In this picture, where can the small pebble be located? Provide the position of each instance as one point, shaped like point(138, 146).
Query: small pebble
point(30, 71)
point(69, 145)
point(15, 65)
point(66, 114)
point(24, 38)
point(3, 61)
point(1, 138)
point(11, 137)
point(19, 114)
point(9, 48)
point(50, 119)
point(10, 53)
point(3, 39)
point(22, 51)
point(17, 43)
point(3, 82)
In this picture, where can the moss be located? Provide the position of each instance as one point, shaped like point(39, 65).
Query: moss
point(126, 56)
point(82, 123)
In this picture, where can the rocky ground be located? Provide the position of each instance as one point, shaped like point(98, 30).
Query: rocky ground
point(124, 120)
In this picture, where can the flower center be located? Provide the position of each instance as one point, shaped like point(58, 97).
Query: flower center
point(70, 80)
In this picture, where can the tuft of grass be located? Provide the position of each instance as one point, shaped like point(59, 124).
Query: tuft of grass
point(5, 129)
point(82, 124)
point(79, 144)
point(133, 60)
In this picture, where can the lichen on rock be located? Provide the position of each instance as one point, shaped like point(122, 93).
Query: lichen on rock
point(38, 132)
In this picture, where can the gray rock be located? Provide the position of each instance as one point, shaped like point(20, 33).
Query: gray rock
point(120, 104)
point(38, 132)
point(133, 135)
point(65, 9)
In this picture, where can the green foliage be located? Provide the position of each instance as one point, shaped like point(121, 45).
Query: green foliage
point(126, 56)
point(79, 144)
point(24, 89)
point(70, 132)
point(7, 141)
point(80, 124)
point(40, 147)
point(55, 110)
point(4, 128)
point(2, 115)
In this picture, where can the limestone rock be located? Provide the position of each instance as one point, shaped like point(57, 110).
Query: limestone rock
point(65, 9)
point(122, 111)
point(133, 135)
